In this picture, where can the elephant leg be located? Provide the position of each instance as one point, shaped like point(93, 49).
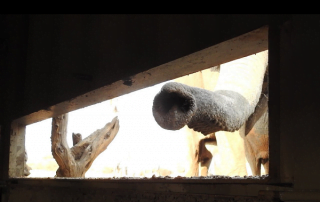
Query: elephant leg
point(257, 144)
point(215, 164)
point(232, 152)
point(204, 170)
point(193, 140)
point(251, 158)
point(205, 157)
point(266, 166)
point(258, 166)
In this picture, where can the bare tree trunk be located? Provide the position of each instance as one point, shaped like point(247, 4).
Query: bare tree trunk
point(75, 161)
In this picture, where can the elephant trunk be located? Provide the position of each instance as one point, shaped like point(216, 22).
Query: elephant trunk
point(177, 105)
point(227, 107)
point(174, 106)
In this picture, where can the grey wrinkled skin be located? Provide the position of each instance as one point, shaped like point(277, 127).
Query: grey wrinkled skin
point(177, 105)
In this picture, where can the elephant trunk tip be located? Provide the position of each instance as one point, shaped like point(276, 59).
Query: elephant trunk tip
point(173, 107)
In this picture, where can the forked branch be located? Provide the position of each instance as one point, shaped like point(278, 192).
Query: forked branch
point(75, 161)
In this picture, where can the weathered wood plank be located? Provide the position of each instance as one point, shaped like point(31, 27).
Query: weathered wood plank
point(17, 151)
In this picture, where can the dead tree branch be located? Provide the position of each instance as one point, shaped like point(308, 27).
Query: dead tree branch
point(75, 161)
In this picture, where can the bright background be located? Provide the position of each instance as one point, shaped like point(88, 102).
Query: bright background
point(141, 144)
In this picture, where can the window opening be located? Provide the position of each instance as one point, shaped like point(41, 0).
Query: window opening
point(130, 150)
point(143, 149)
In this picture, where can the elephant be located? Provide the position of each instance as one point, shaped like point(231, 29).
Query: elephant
point(206, 156)
point(198, 157)
point(257, 134)
point(231, 106)
point(257, 146)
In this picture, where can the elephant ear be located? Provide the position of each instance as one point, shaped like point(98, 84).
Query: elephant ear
point(226, 108)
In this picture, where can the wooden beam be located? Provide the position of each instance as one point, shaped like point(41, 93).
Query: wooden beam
point(17, 150)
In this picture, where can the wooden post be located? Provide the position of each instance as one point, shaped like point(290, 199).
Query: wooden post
point(17, 150)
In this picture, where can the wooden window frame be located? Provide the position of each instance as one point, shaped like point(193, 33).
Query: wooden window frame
point(238, 47)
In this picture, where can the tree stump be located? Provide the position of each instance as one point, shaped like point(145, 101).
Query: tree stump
point(75, 161)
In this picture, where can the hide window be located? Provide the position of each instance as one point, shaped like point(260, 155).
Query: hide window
point(196, 102)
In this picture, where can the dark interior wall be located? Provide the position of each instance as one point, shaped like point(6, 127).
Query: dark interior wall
point(47, 59)
point(13, 52)
point(68, 55)
point(300, 99)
